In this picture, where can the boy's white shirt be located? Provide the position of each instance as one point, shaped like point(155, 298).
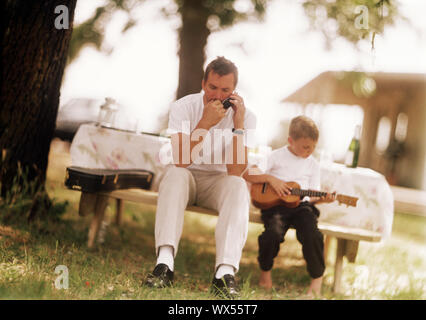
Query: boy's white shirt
point(185, 114)
point(285, 165)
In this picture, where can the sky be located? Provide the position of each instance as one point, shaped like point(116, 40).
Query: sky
point(274, 59)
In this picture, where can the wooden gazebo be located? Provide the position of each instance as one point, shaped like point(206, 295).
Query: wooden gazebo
point(379, 95)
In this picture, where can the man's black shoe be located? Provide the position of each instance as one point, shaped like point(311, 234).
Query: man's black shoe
point(161, 277)
point(225, 287)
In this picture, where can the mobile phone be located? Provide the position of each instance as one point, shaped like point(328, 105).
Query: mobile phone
point(227, 103)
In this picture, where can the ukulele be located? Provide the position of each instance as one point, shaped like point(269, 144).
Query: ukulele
point(264, 196)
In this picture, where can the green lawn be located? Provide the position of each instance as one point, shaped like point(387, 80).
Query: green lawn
point(394, 269)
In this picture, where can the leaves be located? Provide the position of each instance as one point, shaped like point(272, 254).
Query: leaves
point(222, 13)
point(354, 20)
point(92, 31)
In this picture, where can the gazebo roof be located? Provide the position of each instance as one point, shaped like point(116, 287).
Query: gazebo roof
point(354, 88)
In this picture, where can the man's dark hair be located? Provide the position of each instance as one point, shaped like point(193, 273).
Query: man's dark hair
point(222, 67)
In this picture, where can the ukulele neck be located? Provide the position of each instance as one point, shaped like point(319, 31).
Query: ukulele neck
point(308, 193)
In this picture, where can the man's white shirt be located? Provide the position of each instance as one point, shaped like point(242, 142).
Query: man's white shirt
point(184, 116)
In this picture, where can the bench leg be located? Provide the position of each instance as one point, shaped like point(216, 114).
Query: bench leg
point(327, 241)
point(348, 249)
point(119, 213)
point(101, 204)
point(351, 250)
point(87, 203)
point(338, 267)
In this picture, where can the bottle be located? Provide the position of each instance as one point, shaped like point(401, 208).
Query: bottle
point(351, 159)
point(107, 113)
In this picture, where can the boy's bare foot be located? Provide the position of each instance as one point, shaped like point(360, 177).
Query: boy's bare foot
point(265, 280)
point(314, 290)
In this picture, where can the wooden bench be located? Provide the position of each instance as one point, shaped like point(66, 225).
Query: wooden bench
point(347, 238)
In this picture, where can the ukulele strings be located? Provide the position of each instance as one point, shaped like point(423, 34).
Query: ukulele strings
point(309, 193)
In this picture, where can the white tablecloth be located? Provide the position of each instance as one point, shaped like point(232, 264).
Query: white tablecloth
point(97, 147)
point(375, 207)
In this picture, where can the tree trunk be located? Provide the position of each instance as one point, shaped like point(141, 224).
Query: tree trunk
point(33, 61)
point(193, 38)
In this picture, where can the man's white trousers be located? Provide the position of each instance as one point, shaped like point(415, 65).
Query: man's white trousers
point(229, 195)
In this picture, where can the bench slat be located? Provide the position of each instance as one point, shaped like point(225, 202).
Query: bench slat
point(151, 197)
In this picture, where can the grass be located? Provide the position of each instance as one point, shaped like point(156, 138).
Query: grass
point(394, 269)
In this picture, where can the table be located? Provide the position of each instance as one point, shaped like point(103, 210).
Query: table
point(375, 207)
point(97, 147)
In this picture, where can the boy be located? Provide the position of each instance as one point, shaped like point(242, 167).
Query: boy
point(293, 162)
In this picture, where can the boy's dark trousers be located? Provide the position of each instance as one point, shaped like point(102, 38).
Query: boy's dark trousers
point(304, 219)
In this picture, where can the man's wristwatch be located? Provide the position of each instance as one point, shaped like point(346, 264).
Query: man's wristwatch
point(237, 131)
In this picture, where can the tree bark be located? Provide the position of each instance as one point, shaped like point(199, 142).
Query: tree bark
point(33, 62)
point(193, 38)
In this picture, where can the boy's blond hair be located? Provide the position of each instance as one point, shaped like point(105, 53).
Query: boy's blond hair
point(303, 127)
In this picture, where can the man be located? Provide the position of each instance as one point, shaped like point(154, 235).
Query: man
point(207, 172)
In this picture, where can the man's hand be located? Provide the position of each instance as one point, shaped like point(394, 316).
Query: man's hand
point(280, 187)
point(239, 110)
point(213, 112)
